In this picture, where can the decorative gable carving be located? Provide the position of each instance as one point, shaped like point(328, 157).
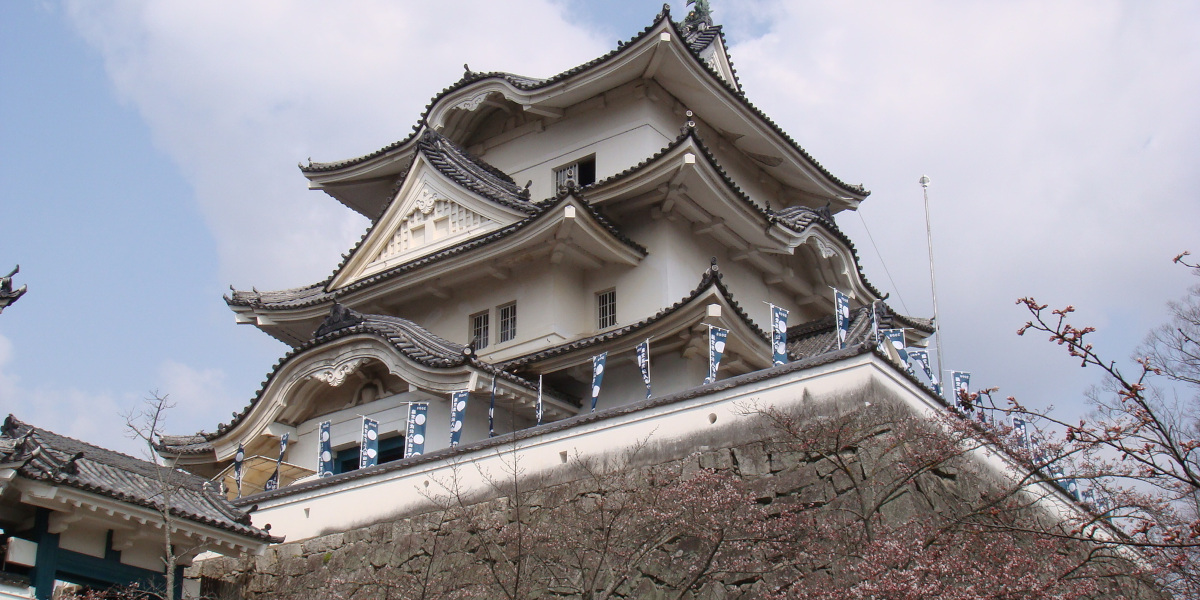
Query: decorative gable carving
point(430, 213)
point(431, 219)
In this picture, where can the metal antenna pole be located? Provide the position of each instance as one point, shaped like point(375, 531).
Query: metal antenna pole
point(937, 323)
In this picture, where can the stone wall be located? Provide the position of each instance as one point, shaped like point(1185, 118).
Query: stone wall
point(773, 510)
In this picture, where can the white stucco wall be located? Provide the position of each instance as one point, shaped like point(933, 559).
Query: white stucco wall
point(309, 513)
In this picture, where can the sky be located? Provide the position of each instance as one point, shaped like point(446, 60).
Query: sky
point(148, 153)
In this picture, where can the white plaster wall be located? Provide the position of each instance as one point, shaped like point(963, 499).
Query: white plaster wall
point(392, 414)
point(629, 128)
point(315, 512)
point(306, 514)
point(85, 538)
point(146, 554)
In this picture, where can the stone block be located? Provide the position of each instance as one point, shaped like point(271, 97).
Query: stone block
point(719, 459)
point(752, 460)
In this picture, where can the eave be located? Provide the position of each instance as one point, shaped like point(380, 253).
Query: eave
point(565, 230)
point(129, 521)
point(301, 373)
point(661, 53)
point(671, 183)
point(681, 327)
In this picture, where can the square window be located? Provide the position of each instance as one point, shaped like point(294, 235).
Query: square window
point(606, 309)
point(508, 321)
point(479, 330)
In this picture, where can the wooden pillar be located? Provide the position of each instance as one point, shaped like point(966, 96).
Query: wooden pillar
point(45, 569)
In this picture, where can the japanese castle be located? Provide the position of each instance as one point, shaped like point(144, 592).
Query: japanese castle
point(524, 229)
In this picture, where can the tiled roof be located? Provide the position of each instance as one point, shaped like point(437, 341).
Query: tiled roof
point(529, 84)
point(46, 456)
point(820, 336)
point(700, 39)
point(711, 279)
point(316, 294)
point(185, 445)
point(472, 172)
point(796, 218)
point(411, 340)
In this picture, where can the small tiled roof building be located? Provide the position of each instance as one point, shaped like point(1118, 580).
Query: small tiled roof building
point(79, 514)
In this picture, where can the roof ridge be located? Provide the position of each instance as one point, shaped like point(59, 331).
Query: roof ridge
point(470, 77)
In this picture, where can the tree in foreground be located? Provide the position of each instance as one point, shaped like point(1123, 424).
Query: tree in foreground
point(861, 498)
point(1133, 457)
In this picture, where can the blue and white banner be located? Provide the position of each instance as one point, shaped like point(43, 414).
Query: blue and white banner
point(458, 411)
point(960, 383)
point(896, 338)
point(597, 376)
point(716, 348)
point(643, 360)
point(1068, 484)
point(1089, 497)
point(238, 460)
point(368, 448)
point(1021, 433)
point(273, 481)
point(492, 411)
point(324, 451)
point(1035, 444)
point(921, 357)
point(414, 439)
point(779, 319)
point(540, 409)
point(841, 306)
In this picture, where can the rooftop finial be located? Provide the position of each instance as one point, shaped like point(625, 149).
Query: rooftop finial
point(699, 18)
point(8, 295)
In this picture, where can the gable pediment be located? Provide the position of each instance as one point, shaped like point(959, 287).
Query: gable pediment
point(429, 213)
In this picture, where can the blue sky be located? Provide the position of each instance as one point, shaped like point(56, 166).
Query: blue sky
point(148, 153)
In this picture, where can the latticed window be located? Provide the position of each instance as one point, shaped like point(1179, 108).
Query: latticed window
point(479, 330)
point(581, 173)
point(606, 308)
point(508, 322)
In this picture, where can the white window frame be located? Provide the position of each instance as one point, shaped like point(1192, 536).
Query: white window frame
point(479, 335)
point(606, 308)
point(506, 329)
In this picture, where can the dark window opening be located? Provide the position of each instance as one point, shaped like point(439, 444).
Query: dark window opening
point(582, 173)
point(390, 449)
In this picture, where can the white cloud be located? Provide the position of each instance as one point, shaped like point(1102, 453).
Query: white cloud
point(1061, 137)
point(196, 395)
point(89, 415)
point(237, 93)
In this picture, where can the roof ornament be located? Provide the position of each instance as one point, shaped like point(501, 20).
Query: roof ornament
point(826, 213)
point(690, 124)
point(7, 294)
point(713, 265)
point(699, 18)
point(339, 317)
point(567, 187)
point(11, 424)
